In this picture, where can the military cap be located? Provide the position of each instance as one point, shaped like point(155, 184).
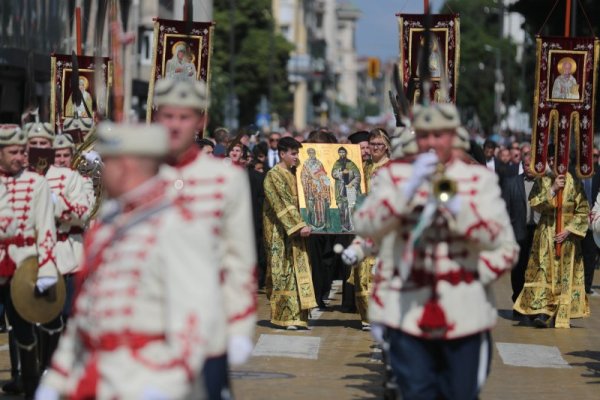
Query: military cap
point(40, 130)
point(131, 139)
point(435, 117)
point(358, 137)
point(64, 141)
point(11, 134)
point(170, 92)
point(82, 124)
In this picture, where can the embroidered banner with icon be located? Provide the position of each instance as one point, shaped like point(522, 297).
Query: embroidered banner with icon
point(444, 54)
point(179, 54)
point(563, 104)
point(94, 99)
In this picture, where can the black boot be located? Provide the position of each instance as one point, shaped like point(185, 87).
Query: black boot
point(14, 386)
point(30, 370)
point(48, 345)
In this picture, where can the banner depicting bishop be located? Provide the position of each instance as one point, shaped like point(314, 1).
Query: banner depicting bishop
point(93, 99)
point(179, 54)
point(444, 54)
point(566, 71)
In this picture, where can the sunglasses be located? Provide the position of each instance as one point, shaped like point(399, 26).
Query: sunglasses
point(273, 140)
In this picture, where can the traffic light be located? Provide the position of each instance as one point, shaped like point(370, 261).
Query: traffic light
point(373, 67)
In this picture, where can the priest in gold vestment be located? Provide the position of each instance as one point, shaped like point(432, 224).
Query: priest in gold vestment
point(288, 282)
point(554, 284)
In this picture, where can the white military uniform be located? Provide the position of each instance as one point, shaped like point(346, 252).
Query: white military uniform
point(146, 305)
point(210, 187)
point(72, 210)
point(448, 259)
point(31, 200)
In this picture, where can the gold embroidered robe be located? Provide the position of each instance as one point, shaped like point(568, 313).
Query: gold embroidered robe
point(288, 282)
point(555, 285)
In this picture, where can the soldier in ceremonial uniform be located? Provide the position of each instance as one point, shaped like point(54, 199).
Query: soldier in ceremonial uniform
point(31, 201)
point(431, 289)
point(145, 309)
point(211, 187)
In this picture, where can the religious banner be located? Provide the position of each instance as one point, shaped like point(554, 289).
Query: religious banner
point(331, 185)
point(444, 54)
point(61, 93)
point(563, 103)
point(179, 54)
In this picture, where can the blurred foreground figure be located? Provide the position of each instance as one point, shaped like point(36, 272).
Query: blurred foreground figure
point(446, 237)
point(218, 197)
point(140, 323)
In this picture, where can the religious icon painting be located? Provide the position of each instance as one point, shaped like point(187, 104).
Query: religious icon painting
point(564, 102)
point(93, 99)
point(331, 185)
point(179, 55)
point(444, 54)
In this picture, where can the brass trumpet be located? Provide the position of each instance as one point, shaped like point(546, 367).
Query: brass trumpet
point(443, 187)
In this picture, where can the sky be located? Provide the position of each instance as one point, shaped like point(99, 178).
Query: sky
point(377, 28)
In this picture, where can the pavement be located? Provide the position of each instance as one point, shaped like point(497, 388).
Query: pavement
point(336, 359)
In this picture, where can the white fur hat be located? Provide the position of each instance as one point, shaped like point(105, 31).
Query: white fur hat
point(131, 139)
point(435, 117)
point(181, 94)
point(41, 130)
point(64, 141)
point(82, 124)
point(11, 134)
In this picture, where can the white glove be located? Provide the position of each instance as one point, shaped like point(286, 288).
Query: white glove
point(423, 167)
point(377, 331)
point(153, 394)
point(45, 282)
point(54, 198)
point(453, 205)
point(45, 392)
point(349, 256)
point(239, 349)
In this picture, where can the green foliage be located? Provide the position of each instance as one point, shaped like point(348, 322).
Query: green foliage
point(254, 46)
point(479, 39)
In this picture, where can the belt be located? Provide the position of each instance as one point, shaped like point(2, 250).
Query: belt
point(88, 383)
point(63, 236)
point(7, 265)
point(112, 341)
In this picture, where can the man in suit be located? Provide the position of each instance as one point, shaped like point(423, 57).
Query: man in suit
point(492, 162)
point(273, 155)
point(515, 192)
point(591, 187)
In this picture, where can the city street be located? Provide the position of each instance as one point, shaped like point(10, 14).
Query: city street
point(335, 359)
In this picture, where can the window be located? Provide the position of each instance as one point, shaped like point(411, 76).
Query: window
point(146, 43)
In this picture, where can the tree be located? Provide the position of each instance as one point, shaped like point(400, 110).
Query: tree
point(480, 45)
point(255, 44)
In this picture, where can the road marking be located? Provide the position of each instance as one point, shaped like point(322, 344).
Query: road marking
point(287, 346)
point(255, 375)
point(531, 355)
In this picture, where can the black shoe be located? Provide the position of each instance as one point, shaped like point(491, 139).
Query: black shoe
point(517, 316)
point(14, 386)
point(543, 321)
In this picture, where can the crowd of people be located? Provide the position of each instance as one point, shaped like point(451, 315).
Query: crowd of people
point(190, 227)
